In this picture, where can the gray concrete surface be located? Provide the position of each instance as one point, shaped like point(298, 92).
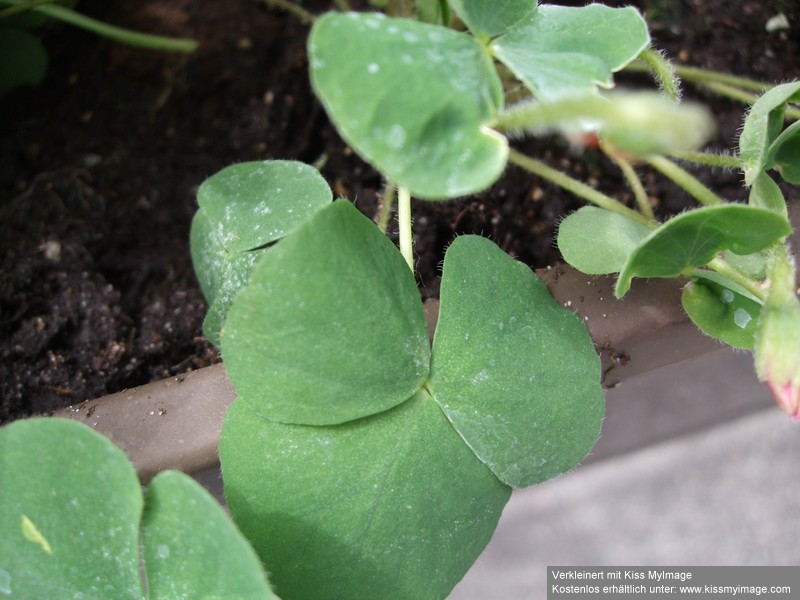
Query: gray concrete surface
point(727, 494)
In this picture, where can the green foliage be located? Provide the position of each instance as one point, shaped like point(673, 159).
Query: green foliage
point(423, 103)
point(429, 98)
point(389, 460)
point(560, 51)
point(490, 19)
point(597, 241)
point(694, 238)
point(243, 208)
point(331, 325)
point(510, 376)
point(762, 146)
point(71, 527)
point(722, 309)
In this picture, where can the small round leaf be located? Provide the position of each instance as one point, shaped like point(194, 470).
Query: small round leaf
point(597, 241)
point(415, 100)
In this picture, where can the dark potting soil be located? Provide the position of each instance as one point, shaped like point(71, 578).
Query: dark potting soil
point(99, 167)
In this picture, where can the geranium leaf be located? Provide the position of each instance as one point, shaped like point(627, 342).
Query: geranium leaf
point(597, 241)
point(515, 373)
point(694, 238)
point(415, 100)
point(562, 51)
point(330, 327)
point(393, 506)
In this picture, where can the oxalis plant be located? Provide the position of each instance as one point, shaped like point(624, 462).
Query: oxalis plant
point(364, 458)
point(360, 459)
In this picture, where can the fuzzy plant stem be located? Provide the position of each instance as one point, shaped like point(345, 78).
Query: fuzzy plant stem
point(684, 179)
point(663, 72)
point(118, 34)
point(576, 187)
point(642, 201)
point(404, 223)
point(387, 203)
point(708, 159)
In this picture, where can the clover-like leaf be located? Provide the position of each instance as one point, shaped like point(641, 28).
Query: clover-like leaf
point(71, 528)
point(597, 241)
point(192, 549)
point(489, 18)
point(221, 274)
point(562, 51)
point(694, 238)
point(415, 100)
point(762, 126)
point(251, 204)
point(243, 208)
point(722, 309)
point(393, 506)
point(330, 327)
point(515, 373)
point(78, 508)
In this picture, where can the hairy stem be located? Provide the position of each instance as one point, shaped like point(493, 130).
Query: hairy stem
point(404, 223)
point(708, 159)
point(639, 193)
point(118, 34)
point(387, 203)
point(684, 179)
point(576, 187)
point(664, 73)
